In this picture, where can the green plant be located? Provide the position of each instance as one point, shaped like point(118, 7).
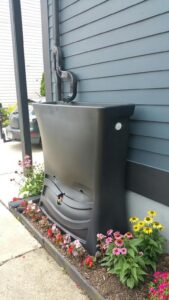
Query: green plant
point(30, 184)
point(6, 111)
point(149, 232)
point(123, 259)
point(43, 86)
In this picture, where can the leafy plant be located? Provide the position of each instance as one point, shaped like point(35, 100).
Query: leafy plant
point(43, 86)
point(30, 184)
point(6, 111)
point(123, 259)
point(149, 232)
point(159, 287)
point(129, 255)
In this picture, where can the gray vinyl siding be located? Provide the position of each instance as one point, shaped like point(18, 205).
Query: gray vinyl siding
point(119, 51)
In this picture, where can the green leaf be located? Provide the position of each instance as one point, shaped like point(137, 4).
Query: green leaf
point(130, 283)
point(131, 253)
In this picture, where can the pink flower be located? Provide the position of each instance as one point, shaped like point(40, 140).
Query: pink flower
point(119, 243)
point(77, 244)
point(156, 274)
point(108, 240)
point(109, 232)
point(123, 251)
point(100, 236)
point(116, 251)
point(128, 235)
point(117, 235)
point(164, 275)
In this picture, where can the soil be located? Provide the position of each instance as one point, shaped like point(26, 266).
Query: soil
point(109, 285)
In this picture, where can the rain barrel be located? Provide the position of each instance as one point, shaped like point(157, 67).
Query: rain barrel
point(85, 148)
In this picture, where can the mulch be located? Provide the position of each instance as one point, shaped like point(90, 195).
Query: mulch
point(107, 284)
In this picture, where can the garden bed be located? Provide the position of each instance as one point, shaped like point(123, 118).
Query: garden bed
point(97, 283)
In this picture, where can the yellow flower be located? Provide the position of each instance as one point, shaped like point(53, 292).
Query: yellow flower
point(148, 220)
point(152, 213)
point(134, 219)
point(136, 228)
point(147, 230)
point(141, 223)
point(158, 225)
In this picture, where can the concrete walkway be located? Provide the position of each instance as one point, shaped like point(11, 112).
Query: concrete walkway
point(26, 270)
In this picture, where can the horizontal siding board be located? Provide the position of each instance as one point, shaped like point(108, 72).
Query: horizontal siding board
point(78, 8)
point(136, 31)
point(132, 15)
point(151, 113)
point(154, 145)
point(96, 13)
point(149, 129)
point(149, 159)
point(127, 96)
point(65, 3)
point(151, 80)
point(146, 46)
point(119, 51)
point(155, 62)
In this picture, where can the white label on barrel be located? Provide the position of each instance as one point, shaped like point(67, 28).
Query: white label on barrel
point(118, 126)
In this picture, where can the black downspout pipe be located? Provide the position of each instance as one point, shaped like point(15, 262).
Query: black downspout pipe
point(56, 36)
point(20, 75)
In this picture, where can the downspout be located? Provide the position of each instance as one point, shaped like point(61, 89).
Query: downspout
point(57, 66)
point(56, 37)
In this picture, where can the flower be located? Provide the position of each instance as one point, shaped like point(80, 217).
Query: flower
point(123, 251)
point(116, 251)
point(129, 235)
point(109, 232)
point(49, 232)
point(134, 219)
point(24, 203)
point(66, 239)
point(147, 230)
point(108, 240)
point(158, 225)
point(141, 223)
point(136, 228)
point(152, 213)
point(88, 261)
point(77, 244)
point(59, 238)
point(117, 235)
point(148, 220)
point(119, 243)
point(100, 236)
point(14, 199)
point(70, 249)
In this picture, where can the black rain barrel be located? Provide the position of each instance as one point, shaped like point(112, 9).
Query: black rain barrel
point(85, 148)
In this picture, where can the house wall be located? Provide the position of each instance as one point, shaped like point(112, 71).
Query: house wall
point(31, 19)
point(119, 51)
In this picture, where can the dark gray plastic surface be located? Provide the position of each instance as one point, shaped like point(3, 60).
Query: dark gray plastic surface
point(84, 158)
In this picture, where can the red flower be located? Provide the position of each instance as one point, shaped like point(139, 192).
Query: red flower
point(88, 262)
point(16, 199)
point(50, 233)
point(70, 249)
point(59, 237)
point(24, 203)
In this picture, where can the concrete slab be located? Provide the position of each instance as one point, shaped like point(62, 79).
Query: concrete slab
point(8, 189)
point(11, 153)
point(36, 276)
point(15, 240)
